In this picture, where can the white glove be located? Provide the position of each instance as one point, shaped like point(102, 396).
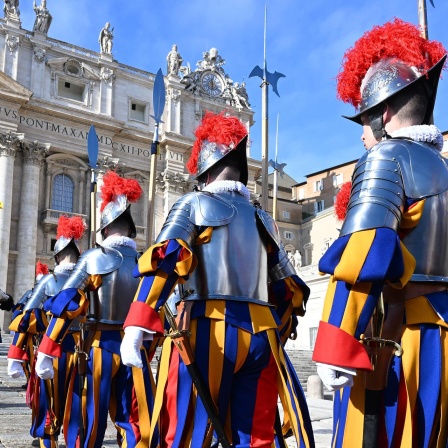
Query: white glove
point(131, 344)
point(44, 366)
point(334, 377)
point(15, 369)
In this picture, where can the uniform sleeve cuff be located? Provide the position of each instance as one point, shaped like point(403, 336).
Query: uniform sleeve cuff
point(335, 346)
point(50, 348)
point(142, 315)
point(15, 352)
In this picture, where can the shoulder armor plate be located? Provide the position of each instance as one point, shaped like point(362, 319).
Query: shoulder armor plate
point(102, 260)
point(38, 295)
point(196, 209)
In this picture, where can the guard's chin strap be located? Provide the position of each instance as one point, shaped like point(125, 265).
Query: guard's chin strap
point(377, 124)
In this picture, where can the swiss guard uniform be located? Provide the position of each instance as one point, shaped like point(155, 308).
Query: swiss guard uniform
point(99, 291)
point(222, 251)
point(46, 398)
point(393, 253)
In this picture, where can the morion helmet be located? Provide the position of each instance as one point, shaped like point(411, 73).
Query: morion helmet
point(70, 230)
point(117, 194)
point(217, 136)
point(387, 60)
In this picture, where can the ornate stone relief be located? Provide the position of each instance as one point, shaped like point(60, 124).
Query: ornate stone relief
point(34, 152)
point(12, 42)
point(210, 80)
point(10, 143)
point(174, 94)
point(173, 182)
point(108, 75)
point(39, 54)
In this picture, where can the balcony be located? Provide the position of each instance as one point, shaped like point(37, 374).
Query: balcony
point(50, 218)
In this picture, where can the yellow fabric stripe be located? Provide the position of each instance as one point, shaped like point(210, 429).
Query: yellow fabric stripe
point(97, 368)
point(282, 380)
point(215, 309)
point(411, 217)
point(205, 237)
point(354, 256)
point(244, 339)
point(353, 431)
point(355, 304)
point(216, 356)
point(411, 346)
point(329, 296)
point(420, 311)
point(161, 384)
point(261, 317)
point(57, 329)
point(143, 412)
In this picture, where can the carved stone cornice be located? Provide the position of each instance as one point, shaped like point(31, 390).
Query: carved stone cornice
point(173, 182)
point(10, 143)
point(34, 153)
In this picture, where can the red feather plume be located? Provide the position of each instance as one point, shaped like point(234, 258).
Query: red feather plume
point(73, 227)
point(41, 268)
point(394, 39)
point(115, 185)
point(341, 201)
point(217, 128)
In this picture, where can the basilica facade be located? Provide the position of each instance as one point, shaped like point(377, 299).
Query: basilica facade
point(51, 93)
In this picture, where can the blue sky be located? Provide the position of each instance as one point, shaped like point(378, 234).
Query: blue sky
point(305, 41)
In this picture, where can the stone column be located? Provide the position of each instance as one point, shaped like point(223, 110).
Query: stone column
point(33, 157)
point(9, 146)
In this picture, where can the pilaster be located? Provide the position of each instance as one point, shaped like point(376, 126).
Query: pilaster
point(33, 157)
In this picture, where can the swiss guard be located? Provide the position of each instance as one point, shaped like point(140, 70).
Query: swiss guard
point(99, 292)
point(390, 264)
point(47, 398)
point(238, 296)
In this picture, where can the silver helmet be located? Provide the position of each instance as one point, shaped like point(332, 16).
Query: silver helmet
point(212, 152)
point(62, 242)
point(118, 207)
point(390, 76)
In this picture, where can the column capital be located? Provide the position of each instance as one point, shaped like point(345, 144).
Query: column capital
point(34, 152)
point(10, 143)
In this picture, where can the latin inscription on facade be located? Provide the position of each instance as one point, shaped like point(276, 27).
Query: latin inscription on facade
point(69, 131)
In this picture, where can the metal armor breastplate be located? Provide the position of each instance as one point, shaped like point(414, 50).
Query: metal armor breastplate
point(428, 242)
point(48, 287)
point(233, 265)
point(111, 302)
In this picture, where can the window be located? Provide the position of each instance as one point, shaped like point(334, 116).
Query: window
point(71, 90)
point(319, 185)
point(286, 215)
point(288, 235)
point(62, 194)
point(318, 206)
point(313, 336)
point(337, 179)
point(301, 193)
point(137, 111)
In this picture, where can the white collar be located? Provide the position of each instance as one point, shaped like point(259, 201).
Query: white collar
point(219, 186)
point(421, 133)
point(64, 267)
point(115, 240)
